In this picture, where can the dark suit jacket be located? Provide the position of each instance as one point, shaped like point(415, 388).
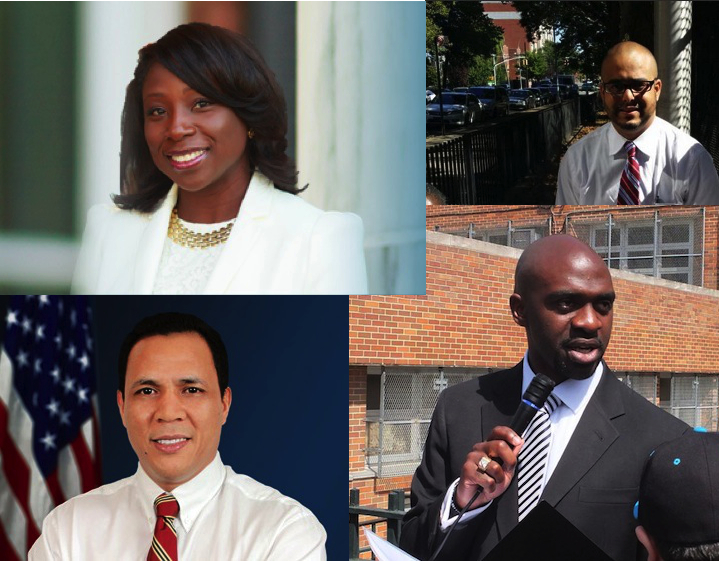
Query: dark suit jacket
point(595, 484)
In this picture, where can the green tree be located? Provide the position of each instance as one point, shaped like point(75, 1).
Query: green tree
point(586, 30)
point(470, 31)
point(537, 64)
point(480, 72)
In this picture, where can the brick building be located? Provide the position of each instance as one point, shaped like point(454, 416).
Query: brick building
point(515, 41)
point(404, 350)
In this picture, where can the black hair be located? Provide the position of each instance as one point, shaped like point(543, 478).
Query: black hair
point(167, 324)
point(704, 552)
point(225, 67)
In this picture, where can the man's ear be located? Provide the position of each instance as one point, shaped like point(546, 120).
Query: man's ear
point(226, 402)
point(648, 542)
point(121, 406)
point(517, 305)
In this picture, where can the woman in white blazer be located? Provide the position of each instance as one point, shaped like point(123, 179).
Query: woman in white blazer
point(208, 201)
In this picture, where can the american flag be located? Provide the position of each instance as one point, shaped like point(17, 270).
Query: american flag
point(49, 431)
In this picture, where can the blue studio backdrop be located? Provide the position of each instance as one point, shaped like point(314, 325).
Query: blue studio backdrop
point(288, 378)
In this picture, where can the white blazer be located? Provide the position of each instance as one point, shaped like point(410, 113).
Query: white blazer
point(279, 244)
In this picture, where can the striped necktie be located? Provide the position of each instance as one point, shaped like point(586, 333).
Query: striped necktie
point(631, 181)
point(164, 541)
point(533, 457)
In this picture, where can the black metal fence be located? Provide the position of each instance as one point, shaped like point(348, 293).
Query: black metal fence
point(479, 167)
point(392, 517)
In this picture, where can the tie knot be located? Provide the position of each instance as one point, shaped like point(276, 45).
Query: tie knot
point(630, 148)
point(552, 403)
point(166, 506)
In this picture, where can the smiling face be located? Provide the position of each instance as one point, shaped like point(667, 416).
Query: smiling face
point(172, 408)
point(196, 142)
point(631, 114)
point(565, 303)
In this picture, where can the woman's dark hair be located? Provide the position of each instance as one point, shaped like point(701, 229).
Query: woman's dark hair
point(168, 324)
point(225, 67)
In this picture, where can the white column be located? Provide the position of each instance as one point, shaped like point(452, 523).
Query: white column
point(360, 75)
point(111, 33)
point(673, 51)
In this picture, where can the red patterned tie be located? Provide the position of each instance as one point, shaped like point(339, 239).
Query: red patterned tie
point(164, 541)
point(631, 180)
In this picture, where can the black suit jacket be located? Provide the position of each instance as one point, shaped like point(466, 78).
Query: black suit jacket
point(595, 484)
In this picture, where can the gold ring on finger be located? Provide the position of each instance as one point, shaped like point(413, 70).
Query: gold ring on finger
point(483, 463)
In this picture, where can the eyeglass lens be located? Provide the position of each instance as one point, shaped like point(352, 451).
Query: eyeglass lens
point(619, 88)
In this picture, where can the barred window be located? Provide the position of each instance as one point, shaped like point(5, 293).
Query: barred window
point(400, 403)
point(693, 398)
point(667, 247)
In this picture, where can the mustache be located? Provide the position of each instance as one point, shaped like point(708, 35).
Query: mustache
point(576, 342)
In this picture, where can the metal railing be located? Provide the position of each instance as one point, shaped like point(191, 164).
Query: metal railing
point(392, 517)
point(482, 165)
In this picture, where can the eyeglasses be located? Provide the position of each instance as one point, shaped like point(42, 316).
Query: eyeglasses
point(638, 87)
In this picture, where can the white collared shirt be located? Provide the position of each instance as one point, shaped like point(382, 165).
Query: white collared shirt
point(223, 515)
point(674, 167)
point(575, 395)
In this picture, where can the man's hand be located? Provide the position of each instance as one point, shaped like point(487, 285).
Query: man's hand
point(503, 444)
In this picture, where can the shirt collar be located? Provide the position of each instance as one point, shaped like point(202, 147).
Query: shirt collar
point(191, 496)
point(646, 142)
point(574, 393)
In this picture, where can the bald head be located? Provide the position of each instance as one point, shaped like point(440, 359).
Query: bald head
point(563, 297)
point(546, 253)
point(632, 55)
point(632, 68)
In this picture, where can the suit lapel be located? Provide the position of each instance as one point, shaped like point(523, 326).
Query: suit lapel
point(245, 236)
point(591, 439)
point(498, 411)
point(152, 242)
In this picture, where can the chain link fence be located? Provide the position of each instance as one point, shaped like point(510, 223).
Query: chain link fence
point(396, 433)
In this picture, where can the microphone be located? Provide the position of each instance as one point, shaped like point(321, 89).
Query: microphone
point(533, 400)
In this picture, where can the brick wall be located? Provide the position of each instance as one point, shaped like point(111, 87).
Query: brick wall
point(497, 216)
point(464, 320)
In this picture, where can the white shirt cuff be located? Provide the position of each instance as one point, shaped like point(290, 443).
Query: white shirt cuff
point(445, 522)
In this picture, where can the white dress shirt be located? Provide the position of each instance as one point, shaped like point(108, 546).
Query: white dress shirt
point(575, 394)
point(223, 515)
point(674, 167)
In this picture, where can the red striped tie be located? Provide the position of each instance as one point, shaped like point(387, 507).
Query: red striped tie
point(164, 541)
point(631, 180)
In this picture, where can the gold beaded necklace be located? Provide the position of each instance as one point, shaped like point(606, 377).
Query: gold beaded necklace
point(187, 238)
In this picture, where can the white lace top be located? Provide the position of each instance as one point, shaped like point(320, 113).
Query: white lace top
point(184, 270)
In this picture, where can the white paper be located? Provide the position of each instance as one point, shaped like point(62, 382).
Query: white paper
point(385, 551)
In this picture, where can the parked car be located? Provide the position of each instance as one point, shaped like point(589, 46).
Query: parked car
point(494, 99)
point(539, 96)
point(522, 99)
point(551, 96)
point(459, 109)
point(568, 80)
point(588, 86)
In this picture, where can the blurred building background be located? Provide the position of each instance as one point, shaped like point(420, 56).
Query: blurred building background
point(64, 67)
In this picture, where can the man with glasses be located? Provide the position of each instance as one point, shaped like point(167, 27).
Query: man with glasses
point(637, 158)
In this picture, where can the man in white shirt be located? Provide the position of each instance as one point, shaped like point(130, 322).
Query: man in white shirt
point(671, 167)
point(173, 397)
point(600, 432)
